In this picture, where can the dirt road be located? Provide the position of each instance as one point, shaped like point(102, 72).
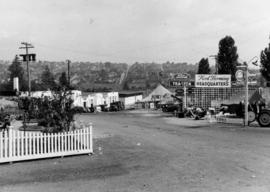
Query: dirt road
point(149, 151)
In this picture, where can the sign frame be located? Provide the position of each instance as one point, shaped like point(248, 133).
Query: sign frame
point(213, 80)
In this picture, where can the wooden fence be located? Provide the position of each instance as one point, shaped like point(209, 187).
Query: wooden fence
point(18, 145)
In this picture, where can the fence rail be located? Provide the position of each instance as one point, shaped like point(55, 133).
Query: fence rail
point(17, 145)
point(213, 97)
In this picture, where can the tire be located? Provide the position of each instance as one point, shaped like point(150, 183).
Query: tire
point(251, 116)
point(264, 119)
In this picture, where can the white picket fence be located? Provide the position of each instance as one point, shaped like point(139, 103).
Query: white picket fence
point(18, 145)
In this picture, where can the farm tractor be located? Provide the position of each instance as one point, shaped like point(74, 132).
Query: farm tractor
point(263, 117)
point(255, 113)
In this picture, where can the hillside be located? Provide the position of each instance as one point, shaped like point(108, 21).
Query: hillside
point(100, 76)
point(148, 75)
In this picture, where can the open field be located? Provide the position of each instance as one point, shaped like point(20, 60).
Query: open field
point(153, 151)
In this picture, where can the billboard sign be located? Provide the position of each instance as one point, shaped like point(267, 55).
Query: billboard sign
point(178, 83)
point(182, 76)
point(212, 80)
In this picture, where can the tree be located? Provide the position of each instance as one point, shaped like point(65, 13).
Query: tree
point(47, 79)
point(36, 86)
point(203, 66)
point(125, 85)
point(54, 114)
point(265, 63)
point(227, 57)
point(16, 70)
point(63, 81)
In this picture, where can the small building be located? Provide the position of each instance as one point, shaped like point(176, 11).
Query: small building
point(129, 99)
point(87, 99)
point(37, 94)
point(82, 99)
point(76, 96)
point(110, 97)
point(98, 99)
point(159, 94)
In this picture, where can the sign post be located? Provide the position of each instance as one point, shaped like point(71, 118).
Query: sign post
point(181, 81)
point(246, 97)
point(242, 74)
point(185, 96)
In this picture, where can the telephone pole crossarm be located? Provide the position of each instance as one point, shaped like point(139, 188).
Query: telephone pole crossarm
point(26, 47)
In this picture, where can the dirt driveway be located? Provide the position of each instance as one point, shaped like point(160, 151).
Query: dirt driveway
point(152, 151)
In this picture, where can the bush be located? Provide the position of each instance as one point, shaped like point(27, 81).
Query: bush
point(55, 114)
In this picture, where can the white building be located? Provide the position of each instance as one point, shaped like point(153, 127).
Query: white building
point(98, 99)
point(82, 99)
point(76, 96)
point(110, 97)
point(130, 98)
point(37, 94)
point(87, 99)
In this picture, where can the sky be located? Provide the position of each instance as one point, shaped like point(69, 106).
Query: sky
point(132, 31)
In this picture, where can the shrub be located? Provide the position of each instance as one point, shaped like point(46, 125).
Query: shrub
point(55, 113)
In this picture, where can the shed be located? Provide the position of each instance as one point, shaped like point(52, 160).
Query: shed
point(129, 99)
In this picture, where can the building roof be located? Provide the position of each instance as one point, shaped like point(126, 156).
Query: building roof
point(158, 91)
point(129, 94)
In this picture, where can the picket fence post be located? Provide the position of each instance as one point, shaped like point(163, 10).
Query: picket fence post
point(16, 145)
point(91, 138)
point(10, 142)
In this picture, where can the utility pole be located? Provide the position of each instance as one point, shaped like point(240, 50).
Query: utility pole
point(68, 62)
point(246, 94)
point(243, 69)
point(26, 58)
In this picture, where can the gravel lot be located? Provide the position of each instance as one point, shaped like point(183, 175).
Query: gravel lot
point(153, 151)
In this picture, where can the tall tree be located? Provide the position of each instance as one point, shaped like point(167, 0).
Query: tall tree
point(63, 81)
point(16, 70)
point(265, 63)
point(203, 67)
point(227, 57)
point(47, 79)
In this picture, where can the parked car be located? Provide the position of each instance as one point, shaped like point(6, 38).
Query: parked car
point(116, 106)
point(104, 108)
point(237, 109)
point(170, 107)
point(78, 109)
